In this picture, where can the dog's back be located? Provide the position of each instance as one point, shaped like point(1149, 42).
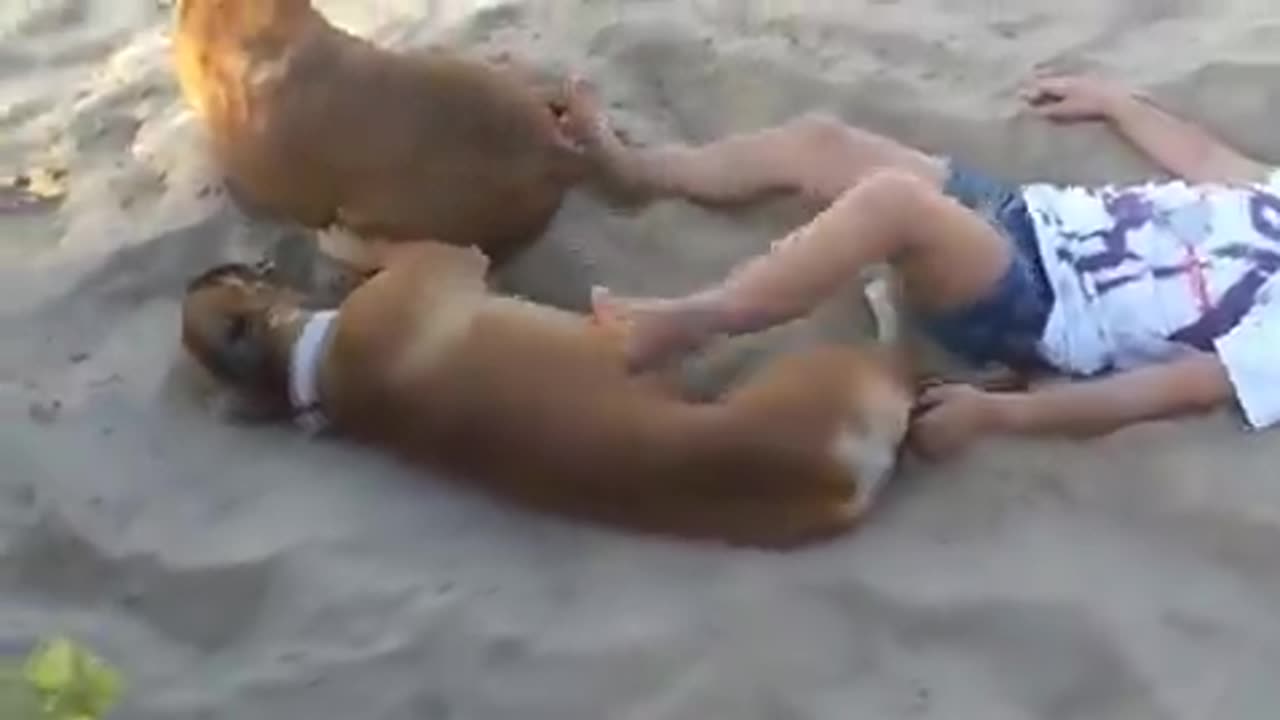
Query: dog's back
point(323, 127)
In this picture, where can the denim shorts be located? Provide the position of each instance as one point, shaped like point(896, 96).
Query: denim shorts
point(1004, 326)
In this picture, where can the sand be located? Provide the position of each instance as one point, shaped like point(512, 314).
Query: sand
point(250, 573)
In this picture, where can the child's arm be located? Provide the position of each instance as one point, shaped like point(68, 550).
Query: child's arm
point(1179, 146)
point(1095, 407)
point(1182, 148)
point(953, 416)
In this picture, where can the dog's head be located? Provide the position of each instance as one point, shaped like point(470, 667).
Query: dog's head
point(238, 324)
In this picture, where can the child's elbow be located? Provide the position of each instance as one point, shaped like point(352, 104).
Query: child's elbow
point(1201, 386)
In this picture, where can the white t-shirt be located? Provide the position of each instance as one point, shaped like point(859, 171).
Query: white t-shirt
point(1144, 273)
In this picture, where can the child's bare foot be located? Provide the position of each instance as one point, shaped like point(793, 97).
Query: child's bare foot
point(585, 122)
point(656, 331)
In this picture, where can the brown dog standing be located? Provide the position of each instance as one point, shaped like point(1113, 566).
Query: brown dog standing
point(536, 403)
point(326, 129)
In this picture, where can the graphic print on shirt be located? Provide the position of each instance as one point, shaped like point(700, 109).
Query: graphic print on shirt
point(1129, 212)
point(1116, 265)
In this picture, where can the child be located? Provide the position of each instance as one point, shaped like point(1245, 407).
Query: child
point(1160, 298)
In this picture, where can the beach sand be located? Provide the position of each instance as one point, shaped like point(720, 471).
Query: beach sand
point(246, 573)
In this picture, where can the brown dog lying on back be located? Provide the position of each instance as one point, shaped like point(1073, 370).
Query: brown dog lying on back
point(326, 129)
point(536, 404)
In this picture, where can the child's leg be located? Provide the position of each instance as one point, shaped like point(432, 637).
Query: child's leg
point(948, 258)
point(815, 155)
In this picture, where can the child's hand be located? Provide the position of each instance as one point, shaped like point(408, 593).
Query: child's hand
point(950, 418)
point(1073, 98)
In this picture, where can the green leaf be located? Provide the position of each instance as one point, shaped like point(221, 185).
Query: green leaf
point(73, 683)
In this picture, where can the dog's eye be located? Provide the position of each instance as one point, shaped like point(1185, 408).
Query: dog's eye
point(265, 267)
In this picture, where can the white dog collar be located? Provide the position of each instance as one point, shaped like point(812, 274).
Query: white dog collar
point(304, 371)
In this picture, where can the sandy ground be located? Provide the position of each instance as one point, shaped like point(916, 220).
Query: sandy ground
point(249, 574)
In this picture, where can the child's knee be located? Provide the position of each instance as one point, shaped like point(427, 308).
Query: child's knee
point(890, 194)
point(898, 186)
point(819, 134)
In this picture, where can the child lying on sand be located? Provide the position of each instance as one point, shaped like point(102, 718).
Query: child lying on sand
point(1162, 298)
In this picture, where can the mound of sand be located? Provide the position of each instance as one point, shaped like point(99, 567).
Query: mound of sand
point(248, 573)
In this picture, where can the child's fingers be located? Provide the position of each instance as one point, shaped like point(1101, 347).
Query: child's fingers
point(604, 310)
point(940, 392)
point(1048, 89)
point(931, 396)
point(1055, 109)
point(1040, 98)
point(1051, 112)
